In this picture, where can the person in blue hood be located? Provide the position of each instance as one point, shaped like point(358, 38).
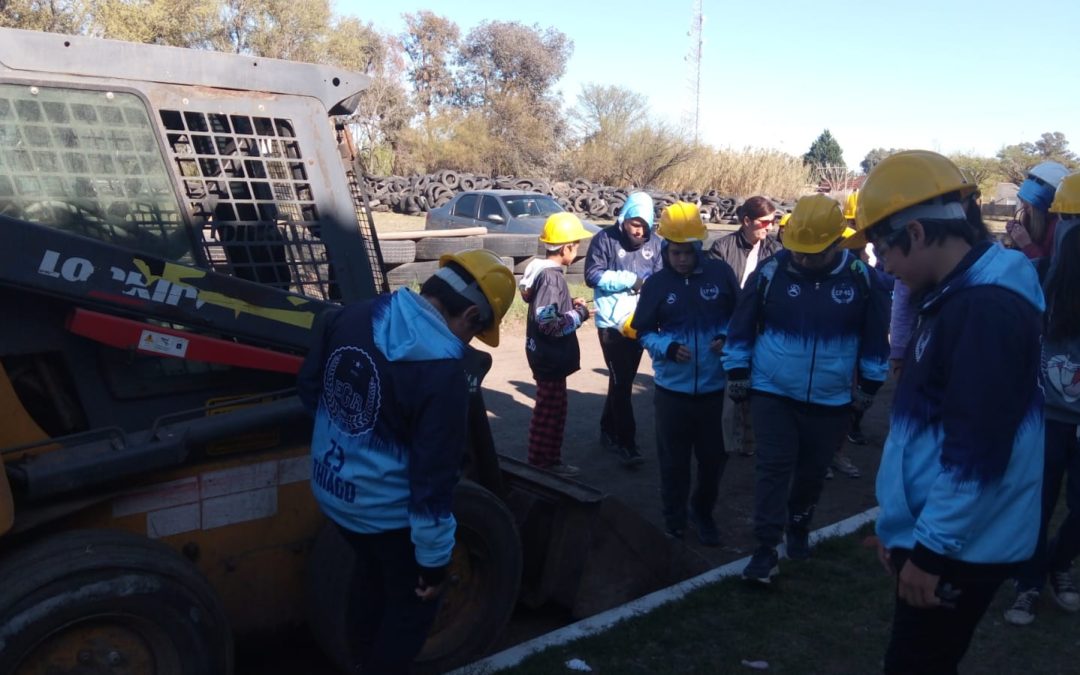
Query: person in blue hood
point(385, 383)
point(809, 319)
point(959, 485)
point(620, 259)
point(1060, 365)
point(681, 319)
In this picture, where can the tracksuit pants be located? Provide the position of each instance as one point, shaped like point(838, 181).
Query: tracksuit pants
point(387, 623)
point(622, 356)
point(1062, 457)
point(933, 641)
point(795, 444)
point(685, 428)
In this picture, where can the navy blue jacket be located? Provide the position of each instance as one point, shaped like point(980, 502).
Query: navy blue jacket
point(611, 269)
point(802, 335)
point(691, 311)
point(387, 387)
point(961, 472)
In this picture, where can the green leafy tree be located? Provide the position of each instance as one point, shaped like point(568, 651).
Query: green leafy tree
point(53, 16)
point(824, 151)
point(874, 156)
point(177, 23)
point(983, 171)
point(507, 57)
point(1016, 160)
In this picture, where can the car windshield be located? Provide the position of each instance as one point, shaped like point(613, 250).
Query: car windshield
point(531, 205)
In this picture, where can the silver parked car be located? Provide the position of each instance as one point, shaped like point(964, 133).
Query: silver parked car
point(500, 211)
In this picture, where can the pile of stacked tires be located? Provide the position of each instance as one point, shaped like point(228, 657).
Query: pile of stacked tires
point(415, 195)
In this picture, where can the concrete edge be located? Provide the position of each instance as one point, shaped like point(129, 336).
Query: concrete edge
point(603, 621)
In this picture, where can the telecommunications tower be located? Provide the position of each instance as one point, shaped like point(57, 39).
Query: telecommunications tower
point(697, 21)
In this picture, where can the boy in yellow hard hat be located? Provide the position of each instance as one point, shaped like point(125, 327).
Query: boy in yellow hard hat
point(682, 319)
point(386, 384)
point(551, 343)
point(959, 485)
point(810, 317)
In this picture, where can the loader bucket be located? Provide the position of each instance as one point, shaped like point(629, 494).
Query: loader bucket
point(584, 550)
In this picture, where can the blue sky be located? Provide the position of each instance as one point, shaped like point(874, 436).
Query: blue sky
point(946, 75)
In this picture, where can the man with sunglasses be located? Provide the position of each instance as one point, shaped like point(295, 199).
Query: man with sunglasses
point(806, 320)
point(960, 477)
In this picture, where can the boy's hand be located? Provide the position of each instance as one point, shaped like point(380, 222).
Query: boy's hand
point(717, 345)
point(582, 309)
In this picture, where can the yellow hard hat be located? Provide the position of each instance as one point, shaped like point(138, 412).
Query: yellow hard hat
point(903, 180)
point(626, 329)
point(1067, 197)
point(563, 228)
point(495, 281)
point(850, 204)
point(681, 222)
point(783, 220)
point(816, 223)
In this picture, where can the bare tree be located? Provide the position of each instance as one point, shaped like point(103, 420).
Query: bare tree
point(430, 41)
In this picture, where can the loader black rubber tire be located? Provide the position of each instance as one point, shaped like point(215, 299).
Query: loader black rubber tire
point(411, 273)
point(484, 581)
point(111, 602)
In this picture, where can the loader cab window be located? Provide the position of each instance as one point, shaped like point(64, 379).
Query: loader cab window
point(87, 162)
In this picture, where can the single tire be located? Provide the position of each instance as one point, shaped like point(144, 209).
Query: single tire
point(411, 273)
point(397, 251)
point(485, 577)
point(432, 248)
point(112, 602)
point(512, 245)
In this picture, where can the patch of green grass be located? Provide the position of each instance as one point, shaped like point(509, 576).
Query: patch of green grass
point(831, 614)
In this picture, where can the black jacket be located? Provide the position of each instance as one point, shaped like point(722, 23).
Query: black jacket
point(734, 250)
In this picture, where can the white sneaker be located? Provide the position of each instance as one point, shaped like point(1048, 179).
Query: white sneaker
point(1022, 611)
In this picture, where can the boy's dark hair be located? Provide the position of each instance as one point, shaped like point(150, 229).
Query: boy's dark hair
point(972, 229)
point(454, 302)
point(1062, 300)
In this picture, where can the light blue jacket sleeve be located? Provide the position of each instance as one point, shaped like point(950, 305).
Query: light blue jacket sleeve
point(614, 281)
point(656, 343)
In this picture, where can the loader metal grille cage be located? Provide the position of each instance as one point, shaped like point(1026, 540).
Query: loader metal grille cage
point(249, 192)
point(87, 162)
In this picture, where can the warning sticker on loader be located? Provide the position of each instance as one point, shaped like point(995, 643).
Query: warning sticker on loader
point(160, 343)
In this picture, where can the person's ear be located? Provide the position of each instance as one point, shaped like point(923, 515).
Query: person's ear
point(916, 233)
point(472, 317)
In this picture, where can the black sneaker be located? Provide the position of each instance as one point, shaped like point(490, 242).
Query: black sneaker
point(763, 566)
point(674, 532)
point(707, 533)
point(798, 543)
point(630, 456)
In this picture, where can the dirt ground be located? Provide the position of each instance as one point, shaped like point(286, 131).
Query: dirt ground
point(509, 391)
